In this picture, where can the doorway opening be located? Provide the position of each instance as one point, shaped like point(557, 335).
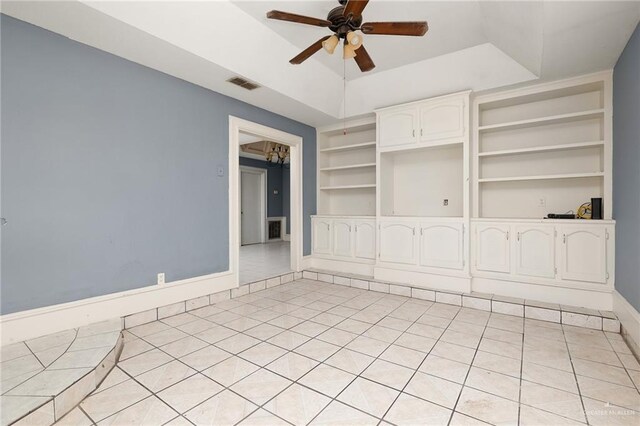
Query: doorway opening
point(266, 179)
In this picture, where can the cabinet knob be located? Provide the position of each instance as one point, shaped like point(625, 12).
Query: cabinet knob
point(413, 133)
point(507, 235)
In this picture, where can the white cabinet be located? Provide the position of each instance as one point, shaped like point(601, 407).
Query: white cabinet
point(535, 250)
point(364, 239)
point(575, 255)
point(442, 119)
point(344, 238)
point(397, 127)
point(584, 254)
point(441, 245)
point(322, 236)
point(342, 245)
point(435, 121)
point(397, 242)
point(492, 247)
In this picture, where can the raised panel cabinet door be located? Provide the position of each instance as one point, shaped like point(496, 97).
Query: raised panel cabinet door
point(342, 245)
point(535, 251)
point(584, 254)
point(321, 236)
point(493, 248)
point(441, 245)
point(397, 243)
point(442, 120)
point(365, 239)
point(397, 127)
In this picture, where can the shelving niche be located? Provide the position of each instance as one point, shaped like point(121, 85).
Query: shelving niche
point(347, 170)
point(416, 182)
point(542, 150)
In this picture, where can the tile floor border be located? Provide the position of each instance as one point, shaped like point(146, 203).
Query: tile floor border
point(160, 312)
point(531, 309)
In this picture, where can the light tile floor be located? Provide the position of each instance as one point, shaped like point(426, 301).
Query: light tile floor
point(262, 261)
point(307, 352)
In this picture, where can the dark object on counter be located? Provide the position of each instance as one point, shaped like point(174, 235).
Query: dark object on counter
point(596, 208)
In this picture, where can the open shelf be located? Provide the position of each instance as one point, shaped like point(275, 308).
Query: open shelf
point(339, 187)
point(553, 119)
point(354, 166)
point(542, 149)
point(349, 147)
point(543, 177)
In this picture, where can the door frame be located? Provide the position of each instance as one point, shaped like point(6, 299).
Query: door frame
point(237, 125)
point(263, 199)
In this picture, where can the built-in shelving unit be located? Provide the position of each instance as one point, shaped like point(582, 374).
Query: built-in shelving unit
point(542, 149)
point(347, 169)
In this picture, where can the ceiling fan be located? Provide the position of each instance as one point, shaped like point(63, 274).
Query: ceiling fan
point(344, 21)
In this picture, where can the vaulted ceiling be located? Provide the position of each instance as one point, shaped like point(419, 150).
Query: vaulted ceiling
point(476, 45)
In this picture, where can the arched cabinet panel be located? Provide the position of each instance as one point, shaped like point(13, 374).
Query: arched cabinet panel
point(442, 120)
point(492, 248)
point(321, 236)
point(397, 128)
point(584, 254)
point(397, 243)
point(342, 245)
point(535, 251)
point(441, 245)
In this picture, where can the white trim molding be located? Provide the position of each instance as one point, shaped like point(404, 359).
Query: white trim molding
point(237, 125)
point(33, 323)
point(629, 320)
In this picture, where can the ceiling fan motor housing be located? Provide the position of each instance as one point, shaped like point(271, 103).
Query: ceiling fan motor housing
point(341, 24)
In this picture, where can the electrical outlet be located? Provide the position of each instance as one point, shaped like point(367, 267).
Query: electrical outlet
point(161, 278)
point(445, 202)
point(542, 202)
point(220, 171)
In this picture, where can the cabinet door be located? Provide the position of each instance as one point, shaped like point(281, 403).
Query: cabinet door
point(492, 248)
point(342, 245)
point(397, 127)
point(321, 236)
point(365, 239)
point(397, 242)
point(584, 254)
point(441, 245)
point(535, 251)
point(442, 120)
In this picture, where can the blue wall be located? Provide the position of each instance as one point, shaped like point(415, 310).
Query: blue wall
point(276, 176)
point(626, 169)
point(109, 171)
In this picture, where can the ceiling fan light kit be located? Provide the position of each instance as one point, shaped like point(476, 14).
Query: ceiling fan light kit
point(330, 44)
point(344, 21)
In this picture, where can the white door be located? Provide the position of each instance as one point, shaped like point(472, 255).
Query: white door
point(492, 248)
point(251, 199)
point(442, 120)
point(535, 251)
point(441, 245)
point(365, 239)
point(321, 236)
point(342, 238)
point(584, 254)
point(397, 242)
point(397, 127)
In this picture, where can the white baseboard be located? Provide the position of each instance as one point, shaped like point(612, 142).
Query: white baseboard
point(424, 280)
point(51, 319)
point(602, 301)
point(347, 267)
point(629, 319)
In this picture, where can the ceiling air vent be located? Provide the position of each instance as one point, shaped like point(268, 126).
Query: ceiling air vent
point(239, 81)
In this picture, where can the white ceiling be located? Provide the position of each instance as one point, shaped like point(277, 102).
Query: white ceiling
point(474, 45)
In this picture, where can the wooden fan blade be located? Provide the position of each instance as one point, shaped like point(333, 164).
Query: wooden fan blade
point(364, 60)
point(355, 7)
point(300, 19)
point(395, 28)
point(306, 53)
